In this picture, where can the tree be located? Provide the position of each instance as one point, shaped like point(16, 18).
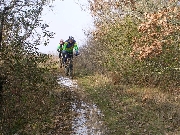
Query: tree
point(146, 30)
point(26, 81)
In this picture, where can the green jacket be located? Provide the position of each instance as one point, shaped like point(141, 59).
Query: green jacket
point(70, 46)
point(60, 47)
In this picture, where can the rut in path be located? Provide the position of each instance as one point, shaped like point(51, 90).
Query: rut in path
point(86, 117)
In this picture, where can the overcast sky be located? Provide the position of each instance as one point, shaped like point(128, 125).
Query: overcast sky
point(66, 19)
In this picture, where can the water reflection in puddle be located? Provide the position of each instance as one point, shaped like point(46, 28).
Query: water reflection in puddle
point(87, 117)
point(64, 81)
point(87, 120)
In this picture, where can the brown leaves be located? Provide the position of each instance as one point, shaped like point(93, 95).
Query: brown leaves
point(102, 7)
point(155, 31)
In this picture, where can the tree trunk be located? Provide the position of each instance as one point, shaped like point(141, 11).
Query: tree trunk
point(1, 27)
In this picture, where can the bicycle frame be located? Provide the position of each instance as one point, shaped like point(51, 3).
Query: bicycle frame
point(68, 67)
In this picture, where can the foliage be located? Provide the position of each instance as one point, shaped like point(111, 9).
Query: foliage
point(135, 47)
point(133, 110)
point(26, 107)
point(136, 40)
point(160, 29)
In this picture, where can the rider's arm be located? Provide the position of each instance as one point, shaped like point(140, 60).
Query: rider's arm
point(76, 47)
point(58, 48)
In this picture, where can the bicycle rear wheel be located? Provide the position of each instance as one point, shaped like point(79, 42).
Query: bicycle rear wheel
point(60, 63)
point(69, 68)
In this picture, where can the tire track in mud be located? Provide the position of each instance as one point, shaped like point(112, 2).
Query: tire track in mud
point(86, 117)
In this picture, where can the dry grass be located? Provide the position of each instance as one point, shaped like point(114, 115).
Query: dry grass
point(134, 110)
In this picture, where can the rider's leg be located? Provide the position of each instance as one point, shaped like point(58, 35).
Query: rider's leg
point(64, 57)
point(71, 65)
point(59, 55)
point(60, 59)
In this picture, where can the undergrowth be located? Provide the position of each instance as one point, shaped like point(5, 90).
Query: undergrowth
point(134, 110)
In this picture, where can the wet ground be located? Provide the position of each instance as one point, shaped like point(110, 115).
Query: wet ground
point(86, 117)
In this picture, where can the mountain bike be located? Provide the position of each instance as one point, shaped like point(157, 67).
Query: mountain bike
point(68, 65)
point(61, 61)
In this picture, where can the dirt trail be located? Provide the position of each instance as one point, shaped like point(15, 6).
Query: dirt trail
point(87, 118)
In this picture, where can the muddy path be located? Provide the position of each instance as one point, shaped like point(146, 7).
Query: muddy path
point(86, 118)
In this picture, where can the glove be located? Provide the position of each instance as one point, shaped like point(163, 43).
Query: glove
point(76, 53)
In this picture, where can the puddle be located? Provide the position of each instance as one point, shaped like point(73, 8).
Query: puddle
point(66, 82)
point(86, 117)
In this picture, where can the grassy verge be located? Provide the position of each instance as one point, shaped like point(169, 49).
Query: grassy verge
point(132, 110)
point(31, 106)
point(36, 112)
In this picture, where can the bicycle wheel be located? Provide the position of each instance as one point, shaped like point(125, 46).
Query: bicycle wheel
point(69, 68)
point(66, 70)
point(60, 63)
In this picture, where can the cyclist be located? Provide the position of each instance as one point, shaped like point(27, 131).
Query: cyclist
point(59, 49)
point(68, 48)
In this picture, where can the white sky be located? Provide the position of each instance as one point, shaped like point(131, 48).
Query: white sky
point(66, 19)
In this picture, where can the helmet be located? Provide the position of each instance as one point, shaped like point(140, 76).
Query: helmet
point(61, 40)
point(70, 37)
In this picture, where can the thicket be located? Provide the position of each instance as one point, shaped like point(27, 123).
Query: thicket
point(25, 76)
point(137, 42)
